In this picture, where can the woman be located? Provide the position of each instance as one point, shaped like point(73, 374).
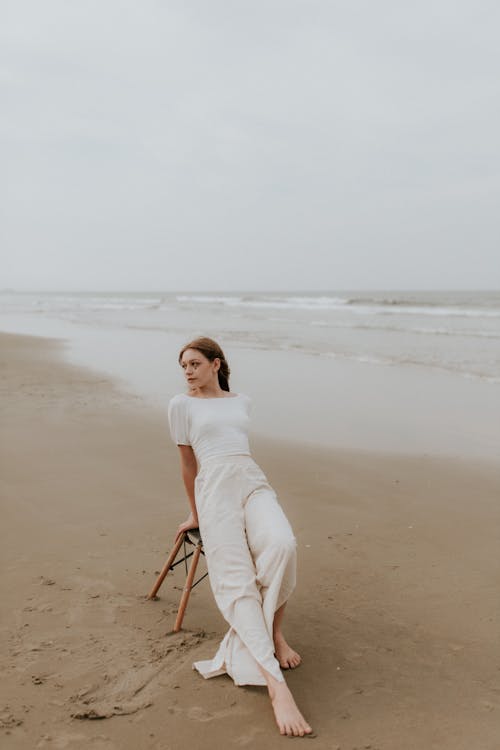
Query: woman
point(249, 545)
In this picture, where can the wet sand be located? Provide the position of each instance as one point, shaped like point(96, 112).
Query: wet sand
point(395, 613)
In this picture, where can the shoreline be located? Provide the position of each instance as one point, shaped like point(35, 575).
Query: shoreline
point(331, 403)
point(395, 611)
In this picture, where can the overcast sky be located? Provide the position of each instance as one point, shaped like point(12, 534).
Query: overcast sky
point(266, 144)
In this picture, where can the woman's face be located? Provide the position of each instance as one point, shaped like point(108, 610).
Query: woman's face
point(199, 371)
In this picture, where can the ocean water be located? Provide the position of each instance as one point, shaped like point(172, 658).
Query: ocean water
point(452, 331)
point(409, 372)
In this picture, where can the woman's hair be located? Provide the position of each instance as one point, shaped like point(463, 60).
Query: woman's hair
point(211, 350)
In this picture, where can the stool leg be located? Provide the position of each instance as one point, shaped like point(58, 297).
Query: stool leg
point(187, 588)
point(167, 566)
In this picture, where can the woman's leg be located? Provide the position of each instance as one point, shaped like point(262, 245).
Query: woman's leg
point(251, 576)
point(273, 546)
point(288, 717)
point(248, 645)
point(287, 657)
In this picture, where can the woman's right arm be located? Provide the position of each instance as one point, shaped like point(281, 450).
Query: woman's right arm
point(189, 469)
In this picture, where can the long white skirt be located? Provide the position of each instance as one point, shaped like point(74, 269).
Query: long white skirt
point(250, 551)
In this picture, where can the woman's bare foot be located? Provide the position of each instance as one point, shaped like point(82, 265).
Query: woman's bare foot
point(288, 717)
point(287, 657)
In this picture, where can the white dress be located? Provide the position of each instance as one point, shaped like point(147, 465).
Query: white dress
point(249, 545)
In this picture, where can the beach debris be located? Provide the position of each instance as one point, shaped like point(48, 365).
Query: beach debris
point(90, 714)
point(8, 720)
point(46, 581)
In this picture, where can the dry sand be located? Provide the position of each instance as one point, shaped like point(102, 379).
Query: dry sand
point(396, 611)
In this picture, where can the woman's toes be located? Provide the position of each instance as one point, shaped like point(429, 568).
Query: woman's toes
point(286, 656)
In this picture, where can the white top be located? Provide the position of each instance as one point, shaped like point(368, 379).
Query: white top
point(212, 426)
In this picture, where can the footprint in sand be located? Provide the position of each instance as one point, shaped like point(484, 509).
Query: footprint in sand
point(135, 686)
point(122, 694)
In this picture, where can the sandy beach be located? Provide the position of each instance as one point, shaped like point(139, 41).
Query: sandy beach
point(395, 614)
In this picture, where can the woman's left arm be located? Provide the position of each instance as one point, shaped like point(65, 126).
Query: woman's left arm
point(189, 469)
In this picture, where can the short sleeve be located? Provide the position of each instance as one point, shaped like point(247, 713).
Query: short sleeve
point(249, 403)
point(178, 421)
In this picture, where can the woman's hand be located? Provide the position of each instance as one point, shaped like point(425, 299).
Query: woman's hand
point(191, 523)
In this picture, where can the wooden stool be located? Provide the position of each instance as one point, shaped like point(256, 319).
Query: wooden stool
point(191, 537)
